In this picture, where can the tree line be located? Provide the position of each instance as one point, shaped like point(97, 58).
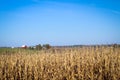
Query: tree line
point(40, 47)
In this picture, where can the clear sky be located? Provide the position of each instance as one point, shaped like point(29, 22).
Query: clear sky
point(59, 22)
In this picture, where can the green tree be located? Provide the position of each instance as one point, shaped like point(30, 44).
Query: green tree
point(31, 48)
point(38, 47)
point(47, 46)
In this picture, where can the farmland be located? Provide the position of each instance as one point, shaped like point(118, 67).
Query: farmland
point(71, 63)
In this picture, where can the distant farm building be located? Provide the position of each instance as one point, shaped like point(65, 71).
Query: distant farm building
point(12, 47)
point(24, 46)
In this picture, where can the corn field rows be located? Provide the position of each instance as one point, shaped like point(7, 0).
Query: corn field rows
point(86, 63)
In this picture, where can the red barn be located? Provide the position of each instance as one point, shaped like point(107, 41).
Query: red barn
point(24, 46)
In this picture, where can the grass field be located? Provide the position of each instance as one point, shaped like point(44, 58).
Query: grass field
point(77, 63)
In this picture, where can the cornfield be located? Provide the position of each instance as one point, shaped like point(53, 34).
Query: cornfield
point(77, 63)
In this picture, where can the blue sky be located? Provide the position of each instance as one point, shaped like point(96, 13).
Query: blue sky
point(59, 22)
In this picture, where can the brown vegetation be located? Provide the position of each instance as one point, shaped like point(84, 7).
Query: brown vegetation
point(85, 63)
